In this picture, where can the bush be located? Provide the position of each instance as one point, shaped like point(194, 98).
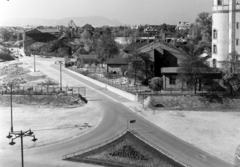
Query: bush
point(156, 84)
point(6, 57)
point(108, 75)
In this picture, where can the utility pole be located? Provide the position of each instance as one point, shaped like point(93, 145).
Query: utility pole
point(60, 63)
point(34, 63)
point(11, 108)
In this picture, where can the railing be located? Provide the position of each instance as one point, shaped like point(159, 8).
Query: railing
point(77, 153)
point(44, 90)
point(159, 149)
point(117, 83)
point(64, 157)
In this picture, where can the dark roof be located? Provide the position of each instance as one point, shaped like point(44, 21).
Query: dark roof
point(163, 46)
point(89, 57)
point(88, 27)
point(116, 61)
point(135, 45)
point(49, 30)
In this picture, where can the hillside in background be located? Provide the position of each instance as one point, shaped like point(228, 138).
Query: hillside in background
point(95, 21)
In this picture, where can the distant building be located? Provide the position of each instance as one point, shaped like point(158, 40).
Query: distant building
point(151, 31)
point(73, 28)
point(183, 26)
point(39, 35)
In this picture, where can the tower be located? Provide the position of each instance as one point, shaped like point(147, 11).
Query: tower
point(225, 30)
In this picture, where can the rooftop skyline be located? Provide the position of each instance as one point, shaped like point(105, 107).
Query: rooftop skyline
point(131, 12)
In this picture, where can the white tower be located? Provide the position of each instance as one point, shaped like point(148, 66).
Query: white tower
point(225, 30)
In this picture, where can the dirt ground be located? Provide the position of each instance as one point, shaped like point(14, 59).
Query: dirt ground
point(50, 125)
point(218, 133)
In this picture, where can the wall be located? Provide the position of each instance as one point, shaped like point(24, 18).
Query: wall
point(220, 23)
point(124, 94)
point(116, 68)
point(166, 82)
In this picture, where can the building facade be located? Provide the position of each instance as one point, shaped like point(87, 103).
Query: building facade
point(225, 30)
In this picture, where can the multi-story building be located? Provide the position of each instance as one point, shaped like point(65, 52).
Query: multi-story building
point(225, 30)
point(183, 26)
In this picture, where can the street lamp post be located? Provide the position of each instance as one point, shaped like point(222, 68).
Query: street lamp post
point(11, 108)
point(21, 134)
point(60, 63)
point(34, 63)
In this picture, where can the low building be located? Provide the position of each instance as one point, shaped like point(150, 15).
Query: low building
point(166, 63)
point(115, 64)
point(86, 60)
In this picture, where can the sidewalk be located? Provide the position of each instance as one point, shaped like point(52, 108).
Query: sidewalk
point(99, 89)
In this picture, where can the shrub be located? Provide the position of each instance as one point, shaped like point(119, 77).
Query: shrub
point(156, 84)
point(6, 57)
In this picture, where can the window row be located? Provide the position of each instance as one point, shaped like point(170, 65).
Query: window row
point(215, 46)
point(215, 32)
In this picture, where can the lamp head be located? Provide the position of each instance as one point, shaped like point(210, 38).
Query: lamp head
point(30, 132)
point(34, 139)
point(9, 136)
point(12, 142)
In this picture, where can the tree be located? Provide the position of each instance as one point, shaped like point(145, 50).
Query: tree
point(106, 47)
point(192, 67)
point(139, 66)
point(201, 32)
point(232, 72)
point(156, 83)
point(6, 35)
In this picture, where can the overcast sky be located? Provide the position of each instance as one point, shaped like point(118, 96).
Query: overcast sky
point(125, 11)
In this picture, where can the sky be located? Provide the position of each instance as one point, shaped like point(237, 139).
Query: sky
point(132, 12)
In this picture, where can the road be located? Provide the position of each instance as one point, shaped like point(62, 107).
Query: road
point(114, 122)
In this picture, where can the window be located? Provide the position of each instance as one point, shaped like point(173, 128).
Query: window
point(214, 34)
point(237, 42)
point(219, 2)
point(214, 49)
point(237, 25)
point(214, 63)
point(172, 80)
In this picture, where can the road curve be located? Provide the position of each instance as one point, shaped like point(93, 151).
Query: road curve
point(113, 123)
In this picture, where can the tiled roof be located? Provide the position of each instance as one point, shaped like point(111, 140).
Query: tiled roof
point(117, 61)
point(135, 45)
point(49, 30)
point(163, 45)
point(89, 57)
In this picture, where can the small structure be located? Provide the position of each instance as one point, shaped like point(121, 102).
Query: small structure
point(86, 60)
point(115, 64)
